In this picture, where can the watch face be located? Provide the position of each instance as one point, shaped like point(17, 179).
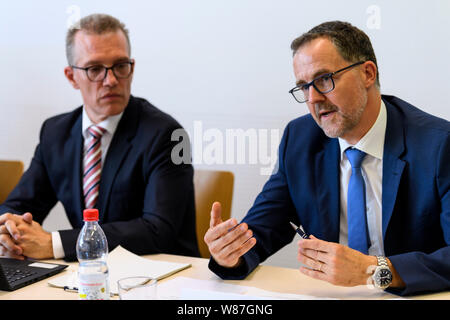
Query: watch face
point(384, 277)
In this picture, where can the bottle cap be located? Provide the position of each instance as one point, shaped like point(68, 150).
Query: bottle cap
point(90, 215)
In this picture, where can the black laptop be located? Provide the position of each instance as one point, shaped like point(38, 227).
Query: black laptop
point(15, 274)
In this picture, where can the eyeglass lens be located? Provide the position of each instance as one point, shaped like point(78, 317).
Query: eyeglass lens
point(98, 73)
point(323, 85)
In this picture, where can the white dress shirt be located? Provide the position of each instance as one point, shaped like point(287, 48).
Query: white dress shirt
point(110, 124)
point(372, 170)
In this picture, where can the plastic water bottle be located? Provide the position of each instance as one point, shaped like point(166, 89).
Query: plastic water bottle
point(92, 251)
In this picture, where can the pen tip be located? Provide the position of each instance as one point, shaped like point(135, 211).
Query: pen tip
point(293, 225)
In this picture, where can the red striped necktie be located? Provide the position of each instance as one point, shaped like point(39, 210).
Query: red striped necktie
point(92, 165)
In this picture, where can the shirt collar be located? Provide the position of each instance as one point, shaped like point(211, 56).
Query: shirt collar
point(373, 141)
point(109, 124)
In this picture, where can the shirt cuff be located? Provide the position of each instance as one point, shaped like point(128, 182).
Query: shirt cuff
point(58, 250)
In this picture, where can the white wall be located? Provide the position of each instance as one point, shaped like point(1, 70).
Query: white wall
point(225, 63)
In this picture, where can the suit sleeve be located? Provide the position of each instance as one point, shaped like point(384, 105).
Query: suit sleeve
point(268, 219)
point(420, 271)
point(166, 223)
point(34, 192)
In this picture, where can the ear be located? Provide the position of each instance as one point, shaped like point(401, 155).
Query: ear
point(68, 72)
point(370, 73)
point(133, 65)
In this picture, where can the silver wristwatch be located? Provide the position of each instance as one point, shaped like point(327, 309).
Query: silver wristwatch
point(382, 277)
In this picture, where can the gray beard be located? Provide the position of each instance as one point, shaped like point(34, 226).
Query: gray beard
point(346, 121)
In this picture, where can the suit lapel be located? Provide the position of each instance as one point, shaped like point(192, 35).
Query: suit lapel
point(392, 164)
point(74, 155)
point(117, 152)
point(327, 190)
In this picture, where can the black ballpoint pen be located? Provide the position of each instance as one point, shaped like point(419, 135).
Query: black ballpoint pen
point(299, 230)
point(75, 289)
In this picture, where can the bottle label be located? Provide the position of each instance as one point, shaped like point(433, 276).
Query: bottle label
point(93, 287)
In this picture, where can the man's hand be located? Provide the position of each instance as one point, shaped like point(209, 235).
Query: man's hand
point(9, 235)
point(227, 241)
point(335, 263)
point(20, 236)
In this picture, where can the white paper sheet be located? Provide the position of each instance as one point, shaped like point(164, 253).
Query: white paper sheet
point(193, 289)
point(121, 264)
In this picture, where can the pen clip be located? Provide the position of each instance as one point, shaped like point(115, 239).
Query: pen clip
point(70, 289)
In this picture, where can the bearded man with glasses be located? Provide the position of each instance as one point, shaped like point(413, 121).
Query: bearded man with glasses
point(113, 153)
point(366, 175)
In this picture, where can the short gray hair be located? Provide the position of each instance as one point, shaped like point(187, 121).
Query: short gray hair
point(94, 24)
point(352, 44)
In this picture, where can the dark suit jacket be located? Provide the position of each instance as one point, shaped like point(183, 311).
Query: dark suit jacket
point(415, 196)
point(146, 203)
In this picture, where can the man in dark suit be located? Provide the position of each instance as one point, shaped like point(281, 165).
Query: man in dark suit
point(113, 153)
point(366, 175)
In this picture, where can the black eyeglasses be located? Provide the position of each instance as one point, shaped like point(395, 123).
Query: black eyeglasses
point(323, 84)
point(121, 70)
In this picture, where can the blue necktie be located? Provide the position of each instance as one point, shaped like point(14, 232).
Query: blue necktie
point(356, 204)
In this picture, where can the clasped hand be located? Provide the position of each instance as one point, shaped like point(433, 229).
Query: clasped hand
point(22, 237)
